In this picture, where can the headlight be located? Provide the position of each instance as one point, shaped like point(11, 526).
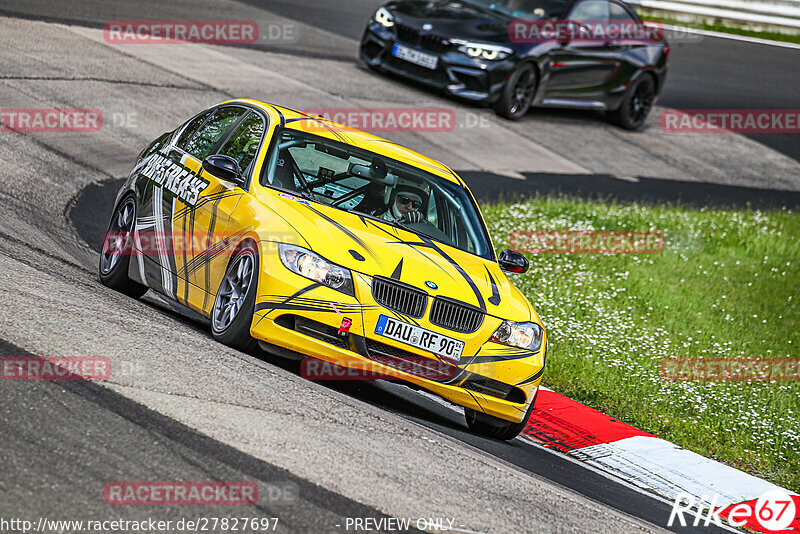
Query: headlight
point(485, 51)
point(523, 335)
point(314, 267)
point(384, 17)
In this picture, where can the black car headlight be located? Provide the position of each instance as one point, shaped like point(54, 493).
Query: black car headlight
point(488, 52)
point(315, 267)
point(384, 17)
point(522, 335)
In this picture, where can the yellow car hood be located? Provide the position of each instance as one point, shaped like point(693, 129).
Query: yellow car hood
point(371, 248)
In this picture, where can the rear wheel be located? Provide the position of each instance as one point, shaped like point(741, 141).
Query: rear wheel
point(636, 104)
point(494, 427)
point(115, 256)
point(518, 93)
point(233, 308)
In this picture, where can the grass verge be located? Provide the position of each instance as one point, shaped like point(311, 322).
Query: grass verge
point(726, 284)
point(717, 26)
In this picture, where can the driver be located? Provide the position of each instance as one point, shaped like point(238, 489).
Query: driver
point(408, 204)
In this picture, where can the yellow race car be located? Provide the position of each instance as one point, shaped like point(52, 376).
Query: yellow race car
point(312, 238)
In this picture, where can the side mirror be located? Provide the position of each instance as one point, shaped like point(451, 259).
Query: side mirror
point(564, 35)
point(224, 168)
point(512, 261)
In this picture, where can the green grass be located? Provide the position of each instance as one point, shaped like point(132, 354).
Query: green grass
point(727, 284)
point(718, 26)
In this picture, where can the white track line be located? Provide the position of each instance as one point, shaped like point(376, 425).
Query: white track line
point(609, 475)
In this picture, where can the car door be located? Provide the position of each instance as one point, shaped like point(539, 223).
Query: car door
point(213, 219)
point(184, 207)
point(157, 173)
point(581, 66)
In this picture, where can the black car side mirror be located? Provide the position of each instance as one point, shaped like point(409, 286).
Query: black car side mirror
point(512, 261)
point(224, 168)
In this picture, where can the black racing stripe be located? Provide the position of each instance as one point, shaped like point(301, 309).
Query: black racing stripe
point(210, 253)
point(339, 305)
point(349, 234)
point(404, 318)
point(461, 271)
point(220, 247)
point(207, 268)
point(295, 307)
point(397, 270)
point(339, 136)
point(292, 227)
point(476, 400)
point(539, 373)
point(495, 298)
point(412, 245)
point(219, 195)
point(457, 177)
point(510, 353)
point(185, 257)
point(204, 260)
point(173, 267)
point(280, 114)
point(185, 275)
point(301, 292)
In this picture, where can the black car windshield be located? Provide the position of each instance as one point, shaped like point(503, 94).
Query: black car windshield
point(356, 180)
point(524, 9)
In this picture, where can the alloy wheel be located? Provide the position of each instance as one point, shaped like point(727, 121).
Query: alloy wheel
point(233, 291)
point(118, 235)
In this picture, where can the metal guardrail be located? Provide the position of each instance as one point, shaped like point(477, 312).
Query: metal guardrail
point(779, 13)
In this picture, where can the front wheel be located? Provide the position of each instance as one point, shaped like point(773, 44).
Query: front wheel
point(115, 255)
point(636, 104)
point(518, 93)
point(494, 427)
point(233, 308)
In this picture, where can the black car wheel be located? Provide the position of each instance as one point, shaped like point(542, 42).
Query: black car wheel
point(234, 305)
point(518, 93)
point(636, 104)
point(494, 427)
point(115, 256)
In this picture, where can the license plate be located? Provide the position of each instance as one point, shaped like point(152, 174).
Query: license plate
point(416, 57)
point(419, 337)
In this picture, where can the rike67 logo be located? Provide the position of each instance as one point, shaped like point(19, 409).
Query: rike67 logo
point(774, 511)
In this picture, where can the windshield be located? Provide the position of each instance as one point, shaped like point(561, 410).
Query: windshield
point(356, 180)
point(525, 9)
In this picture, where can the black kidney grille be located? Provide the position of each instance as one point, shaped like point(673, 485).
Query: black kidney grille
point(428, 41)
point(399, 297)
point(455, 315)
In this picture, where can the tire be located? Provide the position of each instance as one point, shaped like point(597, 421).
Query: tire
point(115, 254)
point(518, 92)
point(636, 104)
point(494, 427)
point(232, 313)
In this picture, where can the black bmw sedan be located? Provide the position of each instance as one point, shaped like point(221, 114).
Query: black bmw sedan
point(514, 54)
